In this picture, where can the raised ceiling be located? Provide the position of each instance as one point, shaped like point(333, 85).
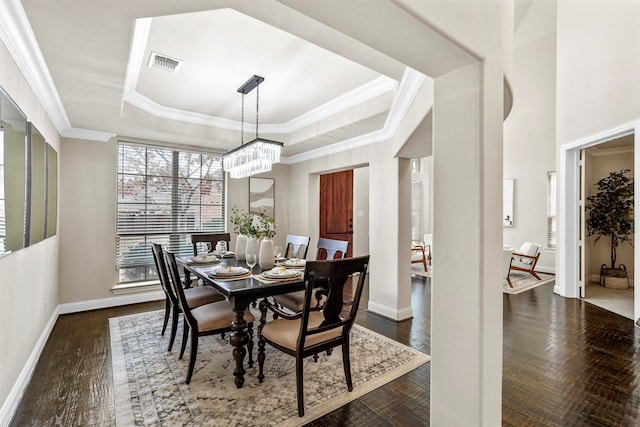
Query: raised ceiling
point(315, 96)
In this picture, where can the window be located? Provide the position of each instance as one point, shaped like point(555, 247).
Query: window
point(164, 195)
point(551, 209)
point(417, 203)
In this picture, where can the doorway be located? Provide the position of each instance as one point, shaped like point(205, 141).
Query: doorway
point(597, 162)
point(570, 272)
point(336, 207)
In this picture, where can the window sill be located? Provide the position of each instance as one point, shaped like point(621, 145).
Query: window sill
point(129, 288)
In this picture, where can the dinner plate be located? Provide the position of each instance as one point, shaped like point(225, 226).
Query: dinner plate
point(224, 254)
point(295, 262)
point(280, 273)
point(229, 271)
point(204, 258)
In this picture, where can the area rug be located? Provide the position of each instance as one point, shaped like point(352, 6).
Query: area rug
point(418, 270)
point(150, 389)
point(524, 281)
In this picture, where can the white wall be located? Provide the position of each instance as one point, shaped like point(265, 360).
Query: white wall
point(29, 276)
point(529, 131)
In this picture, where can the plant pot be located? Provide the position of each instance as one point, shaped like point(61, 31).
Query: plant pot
point(241, 247)
point(267, 256)
point(614, 278)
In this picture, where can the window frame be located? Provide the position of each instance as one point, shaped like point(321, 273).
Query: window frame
point(166, 217)
point(552, 223)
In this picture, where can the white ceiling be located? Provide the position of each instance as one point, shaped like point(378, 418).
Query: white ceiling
point(93, 72)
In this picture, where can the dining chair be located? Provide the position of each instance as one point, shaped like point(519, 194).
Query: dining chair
point(296, 246)
point(195, 296)
point(331, 249)
point(208, 319)
point(212, 238)
point(311, 331)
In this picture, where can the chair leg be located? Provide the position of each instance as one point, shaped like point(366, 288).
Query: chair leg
point(260, 359)
point(175, 313)
point(346, 363)
point(185, 332)
point(192, 356)
point(167, 308)
point(250, 345)
point(534, 274)
point(300, 385)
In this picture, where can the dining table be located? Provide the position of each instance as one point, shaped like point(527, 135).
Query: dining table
point(241, 293)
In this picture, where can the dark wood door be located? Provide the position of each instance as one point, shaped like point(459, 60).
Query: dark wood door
point(336, 207)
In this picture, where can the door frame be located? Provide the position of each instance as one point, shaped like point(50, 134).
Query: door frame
point(568, 258)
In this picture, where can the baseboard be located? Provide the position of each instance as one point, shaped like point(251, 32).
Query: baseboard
point(17, 391)
point(548, 270)
point(390, 313)
point(95, 304)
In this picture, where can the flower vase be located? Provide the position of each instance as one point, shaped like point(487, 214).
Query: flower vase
point(241, 247)
point(267, 256)
point(252, 246)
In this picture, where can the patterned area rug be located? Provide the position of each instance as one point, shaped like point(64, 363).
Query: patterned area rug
point(150, 389)
point(524, 281)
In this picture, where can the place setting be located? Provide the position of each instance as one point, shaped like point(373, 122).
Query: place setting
point(279, 274)
point(207, 257)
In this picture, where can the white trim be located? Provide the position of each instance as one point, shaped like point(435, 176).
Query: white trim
point(568, 239)
point(17, 391)
point(390, 313)
point(75, 307)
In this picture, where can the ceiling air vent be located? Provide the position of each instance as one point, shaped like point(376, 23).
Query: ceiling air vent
point(163, 62)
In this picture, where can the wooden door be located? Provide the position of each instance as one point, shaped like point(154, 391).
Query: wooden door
point(336, 207)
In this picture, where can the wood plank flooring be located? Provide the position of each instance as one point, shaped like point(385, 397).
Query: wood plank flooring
point(566, 363)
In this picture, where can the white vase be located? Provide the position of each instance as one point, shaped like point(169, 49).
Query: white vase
point(241, 247)
point(252, 246)
point(266, 258)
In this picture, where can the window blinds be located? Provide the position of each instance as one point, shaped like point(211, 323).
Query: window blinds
point(164, 195)
point(551, 209)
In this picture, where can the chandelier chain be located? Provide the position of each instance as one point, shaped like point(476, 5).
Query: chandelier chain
point(257, 106)
point(242, 123)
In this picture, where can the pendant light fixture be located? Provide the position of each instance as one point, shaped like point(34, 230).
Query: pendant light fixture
point(258, 155)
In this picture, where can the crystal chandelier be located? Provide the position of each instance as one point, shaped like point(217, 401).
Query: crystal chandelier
point(257, 155)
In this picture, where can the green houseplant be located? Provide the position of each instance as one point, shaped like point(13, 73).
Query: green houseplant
point(610, 215)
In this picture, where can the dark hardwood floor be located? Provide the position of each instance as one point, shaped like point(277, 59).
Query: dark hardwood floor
point(566, 363)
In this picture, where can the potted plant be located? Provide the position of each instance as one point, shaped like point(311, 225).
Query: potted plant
point(610, 215)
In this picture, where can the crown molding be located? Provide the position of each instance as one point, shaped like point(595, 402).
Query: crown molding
point(598, 152)
point(407, 91)
point(17, 35)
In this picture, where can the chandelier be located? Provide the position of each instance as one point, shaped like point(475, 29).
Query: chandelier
point(255, 156)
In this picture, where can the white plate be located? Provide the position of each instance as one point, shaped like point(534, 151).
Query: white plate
point(280, 273)
point(225, 254)
point(295, 262)
point(204, 258)
point(229, 271)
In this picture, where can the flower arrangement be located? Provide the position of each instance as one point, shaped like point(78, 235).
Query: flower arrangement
point(252, 225)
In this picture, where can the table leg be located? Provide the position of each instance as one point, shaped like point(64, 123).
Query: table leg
point(239, 339)
point(187, 278)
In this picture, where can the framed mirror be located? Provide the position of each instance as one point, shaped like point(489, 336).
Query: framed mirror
point(37, 184)
point(13, 175)
point(508, 189)
point(262, 196)
point(51, 192)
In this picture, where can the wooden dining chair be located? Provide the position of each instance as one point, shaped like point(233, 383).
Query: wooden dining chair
point(196, 297)
point(327, 249)
point(208, 319)
point(311, 331)
point(331, 249)
point(296, 246)
point(209, 238)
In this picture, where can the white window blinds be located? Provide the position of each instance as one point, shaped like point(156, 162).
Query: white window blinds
point(551, 209)
point(164, 195)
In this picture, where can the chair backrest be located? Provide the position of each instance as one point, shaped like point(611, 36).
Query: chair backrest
point(332, 274)
point(296, 246)
point(530, 249)
point(161, 266)
point(331, 249)
point(176, 284)
point(212, 238)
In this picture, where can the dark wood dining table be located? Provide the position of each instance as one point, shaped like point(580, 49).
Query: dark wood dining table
point(240, 293)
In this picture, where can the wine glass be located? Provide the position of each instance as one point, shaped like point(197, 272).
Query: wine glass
point(251, 260)
point(277, 252)
point(207, 248)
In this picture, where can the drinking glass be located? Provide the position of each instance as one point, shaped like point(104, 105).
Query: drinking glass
point(207, 248)
point(251, 260)
point(277, 252)
point(221, 247)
